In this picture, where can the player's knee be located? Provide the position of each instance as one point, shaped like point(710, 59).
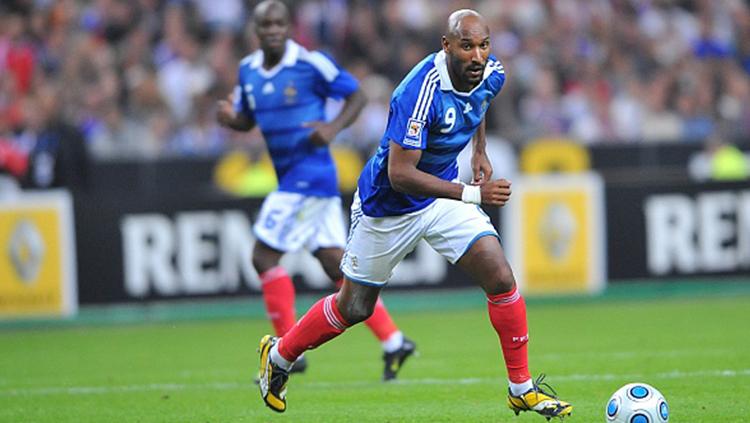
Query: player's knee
point(505, 279)
point(502, 281)
point(262, 262)
point(259, 264)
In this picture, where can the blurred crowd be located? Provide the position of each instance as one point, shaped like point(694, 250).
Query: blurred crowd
point(140, 78)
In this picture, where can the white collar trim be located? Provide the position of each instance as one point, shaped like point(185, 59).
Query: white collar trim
point(445, 79)
point(291, 54)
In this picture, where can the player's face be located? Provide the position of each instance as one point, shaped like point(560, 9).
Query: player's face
point(467, 54)
point(272, 29)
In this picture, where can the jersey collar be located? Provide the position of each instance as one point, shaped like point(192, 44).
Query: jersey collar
point(291, 53)
point(445, 80)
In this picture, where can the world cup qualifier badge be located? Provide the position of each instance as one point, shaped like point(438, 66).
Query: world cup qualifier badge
point(413, 132)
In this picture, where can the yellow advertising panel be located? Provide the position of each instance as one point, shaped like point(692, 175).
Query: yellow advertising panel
point(37, 276)
point(555, 233)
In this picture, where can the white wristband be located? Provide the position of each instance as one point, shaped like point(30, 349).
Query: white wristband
point(472, 194)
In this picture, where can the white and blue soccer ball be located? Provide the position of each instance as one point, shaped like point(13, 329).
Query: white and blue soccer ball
point(637, 403)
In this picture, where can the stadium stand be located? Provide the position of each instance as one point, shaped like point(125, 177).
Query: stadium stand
point(139, 79)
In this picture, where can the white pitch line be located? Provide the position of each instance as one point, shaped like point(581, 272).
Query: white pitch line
point(624, 355)
point(89, 390)
point(228, 386)
point(674, 374)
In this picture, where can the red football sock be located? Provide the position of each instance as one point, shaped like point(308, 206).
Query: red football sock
point(380, 323)
point(508, 316)
point(320, 324)
point(278, 295)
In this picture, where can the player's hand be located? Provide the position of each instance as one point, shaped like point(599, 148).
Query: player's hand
point(481, 167)
point(495, 193)
point(225, 113)
point(322, 134)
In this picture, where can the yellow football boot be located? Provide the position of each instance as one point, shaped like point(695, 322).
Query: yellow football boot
point(540, 401)
point(271, 378)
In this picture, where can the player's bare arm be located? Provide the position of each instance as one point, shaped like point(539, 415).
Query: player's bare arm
point(480, 163)
point(229, 118)
point(325, 132)
point(405, 177)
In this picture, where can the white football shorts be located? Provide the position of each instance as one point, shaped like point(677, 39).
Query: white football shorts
point(289, 221)
point(377, 244)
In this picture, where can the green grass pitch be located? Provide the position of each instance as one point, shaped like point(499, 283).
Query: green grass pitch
point(695, 349)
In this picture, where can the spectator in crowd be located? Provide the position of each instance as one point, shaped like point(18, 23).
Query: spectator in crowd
point(594, 71)
point(13, 164)
point(58, 157)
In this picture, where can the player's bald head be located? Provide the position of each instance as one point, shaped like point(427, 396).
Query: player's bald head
point(466, 44)
point(465, 22)
point(267, 6)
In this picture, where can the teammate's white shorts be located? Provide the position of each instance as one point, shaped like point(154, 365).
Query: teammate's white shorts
point(377, 244)
point(289, 221)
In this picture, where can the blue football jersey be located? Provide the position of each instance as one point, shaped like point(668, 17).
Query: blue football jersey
point(281, 100)
point(428, 114)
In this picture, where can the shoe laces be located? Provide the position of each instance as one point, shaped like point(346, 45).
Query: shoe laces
point(539, 383)
point(540, 387)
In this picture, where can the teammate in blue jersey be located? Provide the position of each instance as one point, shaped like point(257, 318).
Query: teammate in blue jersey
point(408, 192)
point(283, 88)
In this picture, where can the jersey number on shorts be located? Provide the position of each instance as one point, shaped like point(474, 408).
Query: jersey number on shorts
point(271, 221)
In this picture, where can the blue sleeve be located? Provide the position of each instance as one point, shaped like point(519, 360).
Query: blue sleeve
point(244, 101)
point(411, 113)
point(496, 76)
point(335, 81)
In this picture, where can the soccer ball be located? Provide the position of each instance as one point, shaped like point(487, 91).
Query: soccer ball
point(637, 403)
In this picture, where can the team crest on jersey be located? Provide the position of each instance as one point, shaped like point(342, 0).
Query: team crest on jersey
point(413, 133)
point(290, 93)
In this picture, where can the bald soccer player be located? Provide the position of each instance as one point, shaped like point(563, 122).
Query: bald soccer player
point(408, 192)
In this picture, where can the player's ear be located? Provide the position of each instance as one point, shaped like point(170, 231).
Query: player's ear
point(446, 44)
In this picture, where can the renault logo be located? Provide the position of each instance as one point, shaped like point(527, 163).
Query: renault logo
point(26, 250)
point(558, 230)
